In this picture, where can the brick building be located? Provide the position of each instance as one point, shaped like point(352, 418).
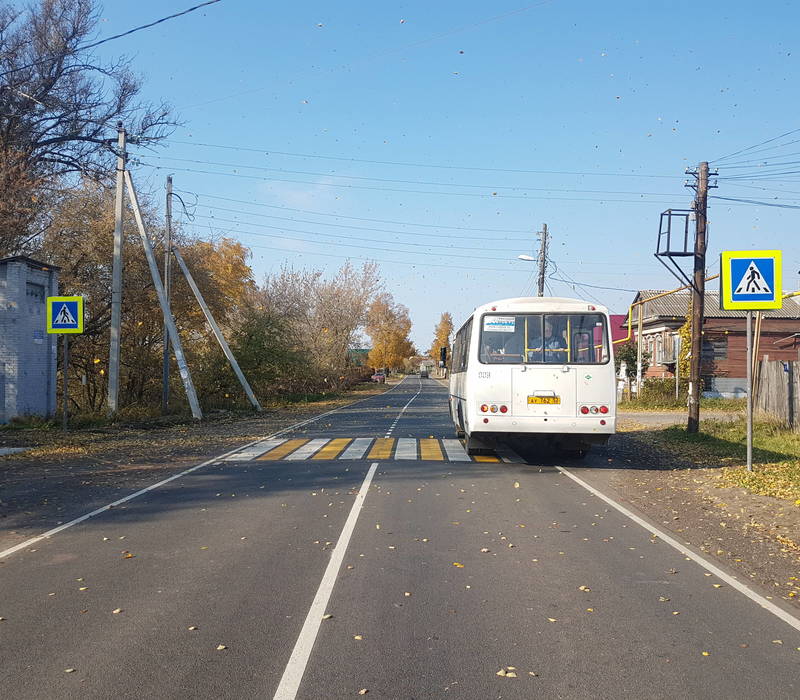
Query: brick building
point(27, 351)
point(724, 364)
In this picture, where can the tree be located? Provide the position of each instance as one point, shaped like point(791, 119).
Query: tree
point(58, 107)
point(388, 325)
point(627, 353)
point(441, 336)
point(79, 241)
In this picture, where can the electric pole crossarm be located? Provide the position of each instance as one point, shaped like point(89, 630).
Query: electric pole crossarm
point(175, 340)
point(217, 332)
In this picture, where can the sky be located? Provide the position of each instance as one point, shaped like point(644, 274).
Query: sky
point(437, 138)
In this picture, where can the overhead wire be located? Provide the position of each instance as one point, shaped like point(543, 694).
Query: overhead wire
point(84, 47)
point(521, 171)
point(337, 235)
point(352, 218)
point(755, 145)
point(492, 195)
point(516, 188)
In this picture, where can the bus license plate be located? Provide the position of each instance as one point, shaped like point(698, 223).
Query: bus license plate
point(544, 399)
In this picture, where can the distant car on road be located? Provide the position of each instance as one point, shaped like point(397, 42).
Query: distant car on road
point(423, 372)
point(379, 376)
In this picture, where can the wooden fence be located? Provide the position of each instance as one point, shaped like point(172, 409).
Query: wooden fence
point(777, 392)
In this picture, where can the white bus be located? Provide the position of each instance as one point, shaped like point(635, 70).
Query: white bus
point(538, 368)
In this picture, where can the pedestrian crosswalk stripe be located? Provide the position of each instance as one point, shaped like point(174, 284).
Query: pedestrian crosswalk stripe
point(455, 451)
point(255, 450)
point(406, 449)
point(357, 449)
point(382, 449)
point(333, 448)
point(429, 450)
point(307, 450)
point(286, 448)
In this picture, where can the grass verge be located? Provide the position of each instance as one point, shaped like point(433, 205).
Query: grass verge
point(776, 455)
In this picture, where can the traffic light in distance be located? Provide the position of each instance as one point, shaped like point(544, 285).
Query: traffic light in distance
point(442, 356)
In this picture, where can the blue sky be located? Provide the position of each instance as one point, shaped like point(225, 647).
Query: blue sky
point(437, 138)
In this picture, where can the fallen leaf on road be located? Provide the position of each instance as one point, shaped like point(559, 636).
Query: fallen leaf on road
point(584, 588)
point(501, 672)
point(363, 691)
point(717, 585)
point(777, 641)
point(532, 673)
point(69, 670)
point(662, 599)
point(116, 611)
point(358, 637)
point(516, 484)
point(705, 653)
point(458, 565)
point(484, 550)
point(84, 588)
point(220, 647)
point(675, 612)
point(552, 619)
point(407, 594)
point(327, 616)
point(203, 547)
point(192, 628)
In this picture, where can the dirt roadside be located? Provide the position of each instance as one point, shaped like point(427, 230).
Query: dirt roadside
point(64, 476)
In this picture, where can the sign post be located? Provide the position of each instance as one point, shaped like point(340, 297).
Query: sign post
point(65, 316)
point(750, 280)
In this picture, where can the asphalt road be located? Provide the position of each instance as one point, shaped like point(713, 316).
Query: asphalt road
point(424, 582)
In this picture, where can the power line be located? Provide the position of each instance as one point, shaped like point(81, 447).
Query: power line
point(394, 262)
point(761, 204)
point(493, 195)
point(84, 47)
point(346, 245)
point(755, 145)
point(339, 235)
point(457, 237)
point(268, 151)
point(352, 218)
point(515, 188)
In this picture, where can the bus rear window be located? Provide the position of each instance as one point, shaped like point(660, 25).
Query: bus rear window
point(544, 339)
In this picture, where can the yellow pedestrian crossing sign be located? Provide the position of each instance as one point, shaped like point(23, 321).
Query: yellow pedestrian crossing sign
point(750, 280)
point(65, 314)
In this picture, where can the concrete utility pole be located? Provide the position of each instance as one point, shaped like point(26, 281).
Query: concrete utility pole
point(542, 260)
point(167, 285)
point(698, 297)
point(116, 277)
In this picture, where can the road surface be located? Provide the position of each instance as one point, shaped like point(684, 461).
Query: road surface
point(364, 553)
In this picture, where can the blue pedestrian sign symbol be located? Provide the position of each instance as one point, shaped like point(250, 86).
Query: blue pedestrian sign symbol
point(65, 314)
point(750, 280)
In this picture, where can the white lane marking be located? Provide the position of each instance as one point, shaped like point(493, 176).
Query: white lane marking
point(402, 411)
point(308, 449)
point(103, 509)
point(406, 448)
point(293, 674)
point(356, 449)
point(788, 618)
point(255, 451)
point(455, 451)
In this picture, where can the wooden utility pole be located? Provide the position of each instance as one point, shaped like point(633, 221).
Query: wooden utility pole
point(167, 285)
point(116, 278)
point(542, 260)
point(698, 297)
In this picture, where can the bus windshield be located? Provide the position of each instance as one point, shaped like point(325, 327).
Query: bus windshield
point(544, 339)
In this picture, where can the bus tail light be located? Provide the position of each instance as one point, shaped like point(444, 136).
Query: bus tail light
point(484, 408)
point(503, 409)
point(594, 409)
point(493, 408)
point(584, 410)
point(603, 409)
